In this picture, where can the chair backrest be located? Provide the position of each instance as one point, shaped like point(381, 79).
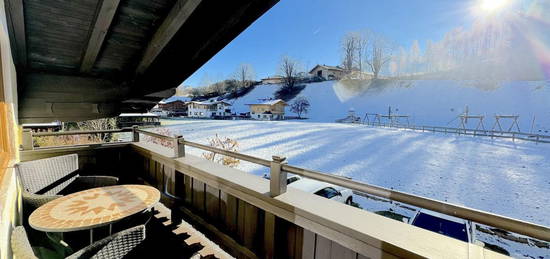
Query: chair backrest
point(39, 174)
point(20, 245)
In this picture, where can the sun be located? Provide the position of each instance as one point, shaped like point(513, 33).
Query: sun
point(492, 6)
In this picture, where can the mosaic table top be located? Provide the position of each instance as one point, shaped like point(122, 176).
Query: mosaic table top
point(93, 208)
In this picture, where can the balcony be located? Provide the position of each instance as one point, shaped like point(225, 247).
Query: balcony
point(252, 217)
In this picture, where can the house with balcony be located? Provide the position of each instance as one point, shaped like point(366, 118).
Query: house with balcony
point(91, 62)
point(268, 110)
point(328, 72)
point(209, 109)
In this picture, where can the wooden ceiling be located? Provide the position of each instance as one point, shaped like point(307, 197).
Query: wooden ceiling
point(85, 59)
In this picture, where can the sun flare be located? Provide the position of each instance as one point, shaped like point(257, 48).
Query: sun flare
point(491, 6)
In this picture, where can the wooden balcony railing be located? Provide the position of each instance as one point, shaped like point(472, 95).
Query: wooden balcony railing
point(201, 180)
point(279, 169)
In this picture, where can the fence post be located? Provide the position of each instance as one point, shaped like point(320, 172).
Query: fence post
point(28, 143)
point(135, 134)
point(277, 182)
point(179, 146)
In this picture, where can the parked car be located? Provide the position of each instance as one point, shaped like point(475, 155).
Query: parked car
point(322, 189)
point(450, 226)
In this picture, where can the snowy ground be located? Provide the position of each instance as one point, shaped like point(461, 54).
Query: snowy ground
point(499, 176)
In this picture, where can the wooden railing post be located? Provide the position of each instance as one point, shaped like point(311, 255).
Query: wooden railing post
point(179, 146)
point(277, 182)
point(28, 143)
point(135, 133)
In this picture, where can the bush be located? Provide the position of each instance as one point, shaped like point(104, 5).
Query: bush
point(225, 144)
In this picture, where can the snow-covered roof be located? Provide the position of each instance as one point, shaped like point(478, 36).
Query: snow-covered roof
point(174, 99)
point(49, 124)
point(273, 77)
point(138, 115)
point(271, 102)
point(327, 68)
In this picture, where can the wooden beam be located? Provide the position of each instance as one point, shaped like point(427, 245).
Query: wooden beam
point(16, 27)
point(181, 11)
point(101, 27)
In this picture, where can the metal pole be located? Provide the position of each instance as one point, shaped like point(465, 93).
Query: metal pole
point(277, 182)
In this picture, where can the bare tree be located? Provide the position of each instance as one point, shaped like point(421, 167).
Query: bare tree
point(244, 76)
point(289, 69)
point(300, 105)
point(378, 52)
point(349, 50)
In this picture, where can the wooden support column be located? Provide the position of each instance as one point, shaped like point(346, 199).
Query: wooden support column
point(27, 140)
point(179, 147)
point(277, 183)
point(135, 134)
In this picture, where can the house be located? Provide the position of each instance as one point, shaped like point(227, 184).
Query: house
point(273, 80)
point(269, 110)
point(328, 72)
point(209, 109)
point(174, 106)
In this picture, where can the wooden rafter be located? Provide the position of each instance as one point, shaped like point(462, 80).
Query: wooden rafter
point(101, 27)
point(16, 25)
point(181, 11)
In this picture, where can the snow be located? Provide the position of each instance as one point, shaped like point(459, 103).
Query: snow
point(428, 102)
point(498, 176)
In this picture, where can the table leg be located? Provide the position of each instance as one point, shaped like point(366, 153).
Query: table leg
point(110, 229)
point(91, 236)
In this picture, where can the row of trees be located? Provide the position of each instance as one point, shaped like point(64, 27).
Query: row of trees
point(243, 78)
point(366, 50)
point(491, 49)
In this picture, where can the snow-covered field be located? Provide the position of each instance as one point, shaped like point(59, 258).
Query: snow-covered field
point(499, 176)
point(428, 102)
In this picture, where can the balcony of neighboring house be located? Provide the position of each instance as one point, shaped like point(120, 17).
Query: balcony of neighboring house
point(211, 210)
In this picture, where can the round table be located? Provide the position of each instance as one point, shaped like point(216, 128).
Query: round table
point(93, 208)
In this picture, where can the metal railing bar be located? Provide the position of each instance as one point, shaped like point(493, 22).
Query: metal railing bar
point(514, 225)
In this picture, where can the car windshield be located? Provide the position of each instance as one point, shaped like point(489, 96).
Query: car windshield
point(442, 226)
point(327, 192)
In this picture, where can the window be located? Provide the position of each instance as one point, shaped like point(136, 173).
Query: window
point(328, 192)
point(292, 179)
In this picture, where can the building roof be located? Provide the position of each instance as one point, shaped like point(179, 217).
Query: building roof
point(211, 101)
point(273, 77)
point(271, 102)
point(114, 56)
point(337, 68)
point(175, 99)
point(138, 115)
point(49, 124)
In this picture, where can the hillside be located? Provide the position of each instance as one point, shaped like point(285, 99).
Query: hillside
point(428, 102)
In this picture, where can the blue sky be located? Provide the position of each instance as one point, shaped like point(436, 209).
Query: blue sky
point(310, 31)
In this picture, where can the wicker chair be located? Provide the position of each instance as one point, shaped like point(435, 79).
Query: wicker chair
point(115, 246)
point(45, 179)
